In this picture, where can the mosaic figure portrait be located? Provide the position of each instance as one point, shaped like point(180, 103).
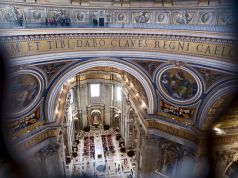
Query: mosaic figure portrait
point(179, 84)
point(22, 92)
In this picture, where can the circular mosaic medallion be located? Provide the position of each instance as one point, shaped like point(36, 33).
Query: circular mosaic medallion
point(161, 17)
point(179, 85)
point(36, 15)
point(101, 168)
point(24, 90)
point(81, 16)
point(206, 18)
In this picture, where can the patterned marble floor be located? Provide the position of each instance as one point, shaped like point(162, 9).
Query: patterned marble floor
point(115, 165)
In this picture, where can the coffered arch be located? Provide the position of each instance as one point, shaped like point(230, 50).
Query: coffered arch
point(101, 62)
point(214, 101)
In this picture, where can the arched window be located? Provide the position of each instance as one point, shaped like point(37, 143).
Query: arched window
point(119, 93)
point(94, 90)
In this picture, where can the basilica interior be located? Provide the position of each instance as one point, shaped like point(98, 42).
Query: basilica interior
point(119, 88)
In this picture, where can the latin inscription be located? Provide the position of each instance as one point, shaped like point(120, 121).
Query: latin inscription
point(26, 48)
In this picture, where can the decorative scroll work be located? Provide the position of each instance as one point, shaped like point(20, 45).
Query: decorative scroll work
point(210, 76)
point(194, 46)
point(52, 69)
point(150, 67)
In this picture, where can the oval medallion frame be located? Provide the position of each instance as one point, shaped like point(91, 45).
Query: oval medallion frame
point(165, 95)
point(36, 99)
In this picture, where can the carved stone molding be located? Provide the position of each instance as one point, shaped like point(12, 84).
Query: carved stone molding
point(28, 45)
point(172, 130)
point(36, 139)
point(209, 17)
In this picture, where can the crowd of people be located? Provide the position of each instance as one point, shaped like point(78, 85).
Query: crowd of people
point(58, 21)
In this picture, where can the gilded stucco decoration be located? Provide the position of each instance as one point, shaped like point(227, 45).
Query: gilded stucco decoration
point(211, 76)
point(52, 69)
point(150, 67)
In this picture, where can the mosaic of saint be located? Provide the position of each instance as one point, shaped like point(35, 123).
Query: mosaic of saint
point(23, 90)
point(178, 83)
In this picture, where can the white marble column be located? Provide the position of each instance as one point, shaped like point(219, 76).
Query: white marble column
point(138, 147)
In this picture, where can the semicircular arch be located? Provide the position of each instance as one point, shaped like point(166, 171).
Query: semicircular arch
point(79, 67)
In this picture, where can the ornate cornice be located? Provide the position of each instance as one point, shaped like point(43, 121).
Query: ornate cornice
point(182, 133)
point(205, 47)
point(37, 138)
point(225, 140)
point(29, 129)
point(205, 17)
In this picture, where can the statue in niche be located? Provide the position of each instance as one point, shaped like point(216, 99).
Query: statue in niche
point(170, 155)
point(183, 18)
point(95, 118)
point(143, 17)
